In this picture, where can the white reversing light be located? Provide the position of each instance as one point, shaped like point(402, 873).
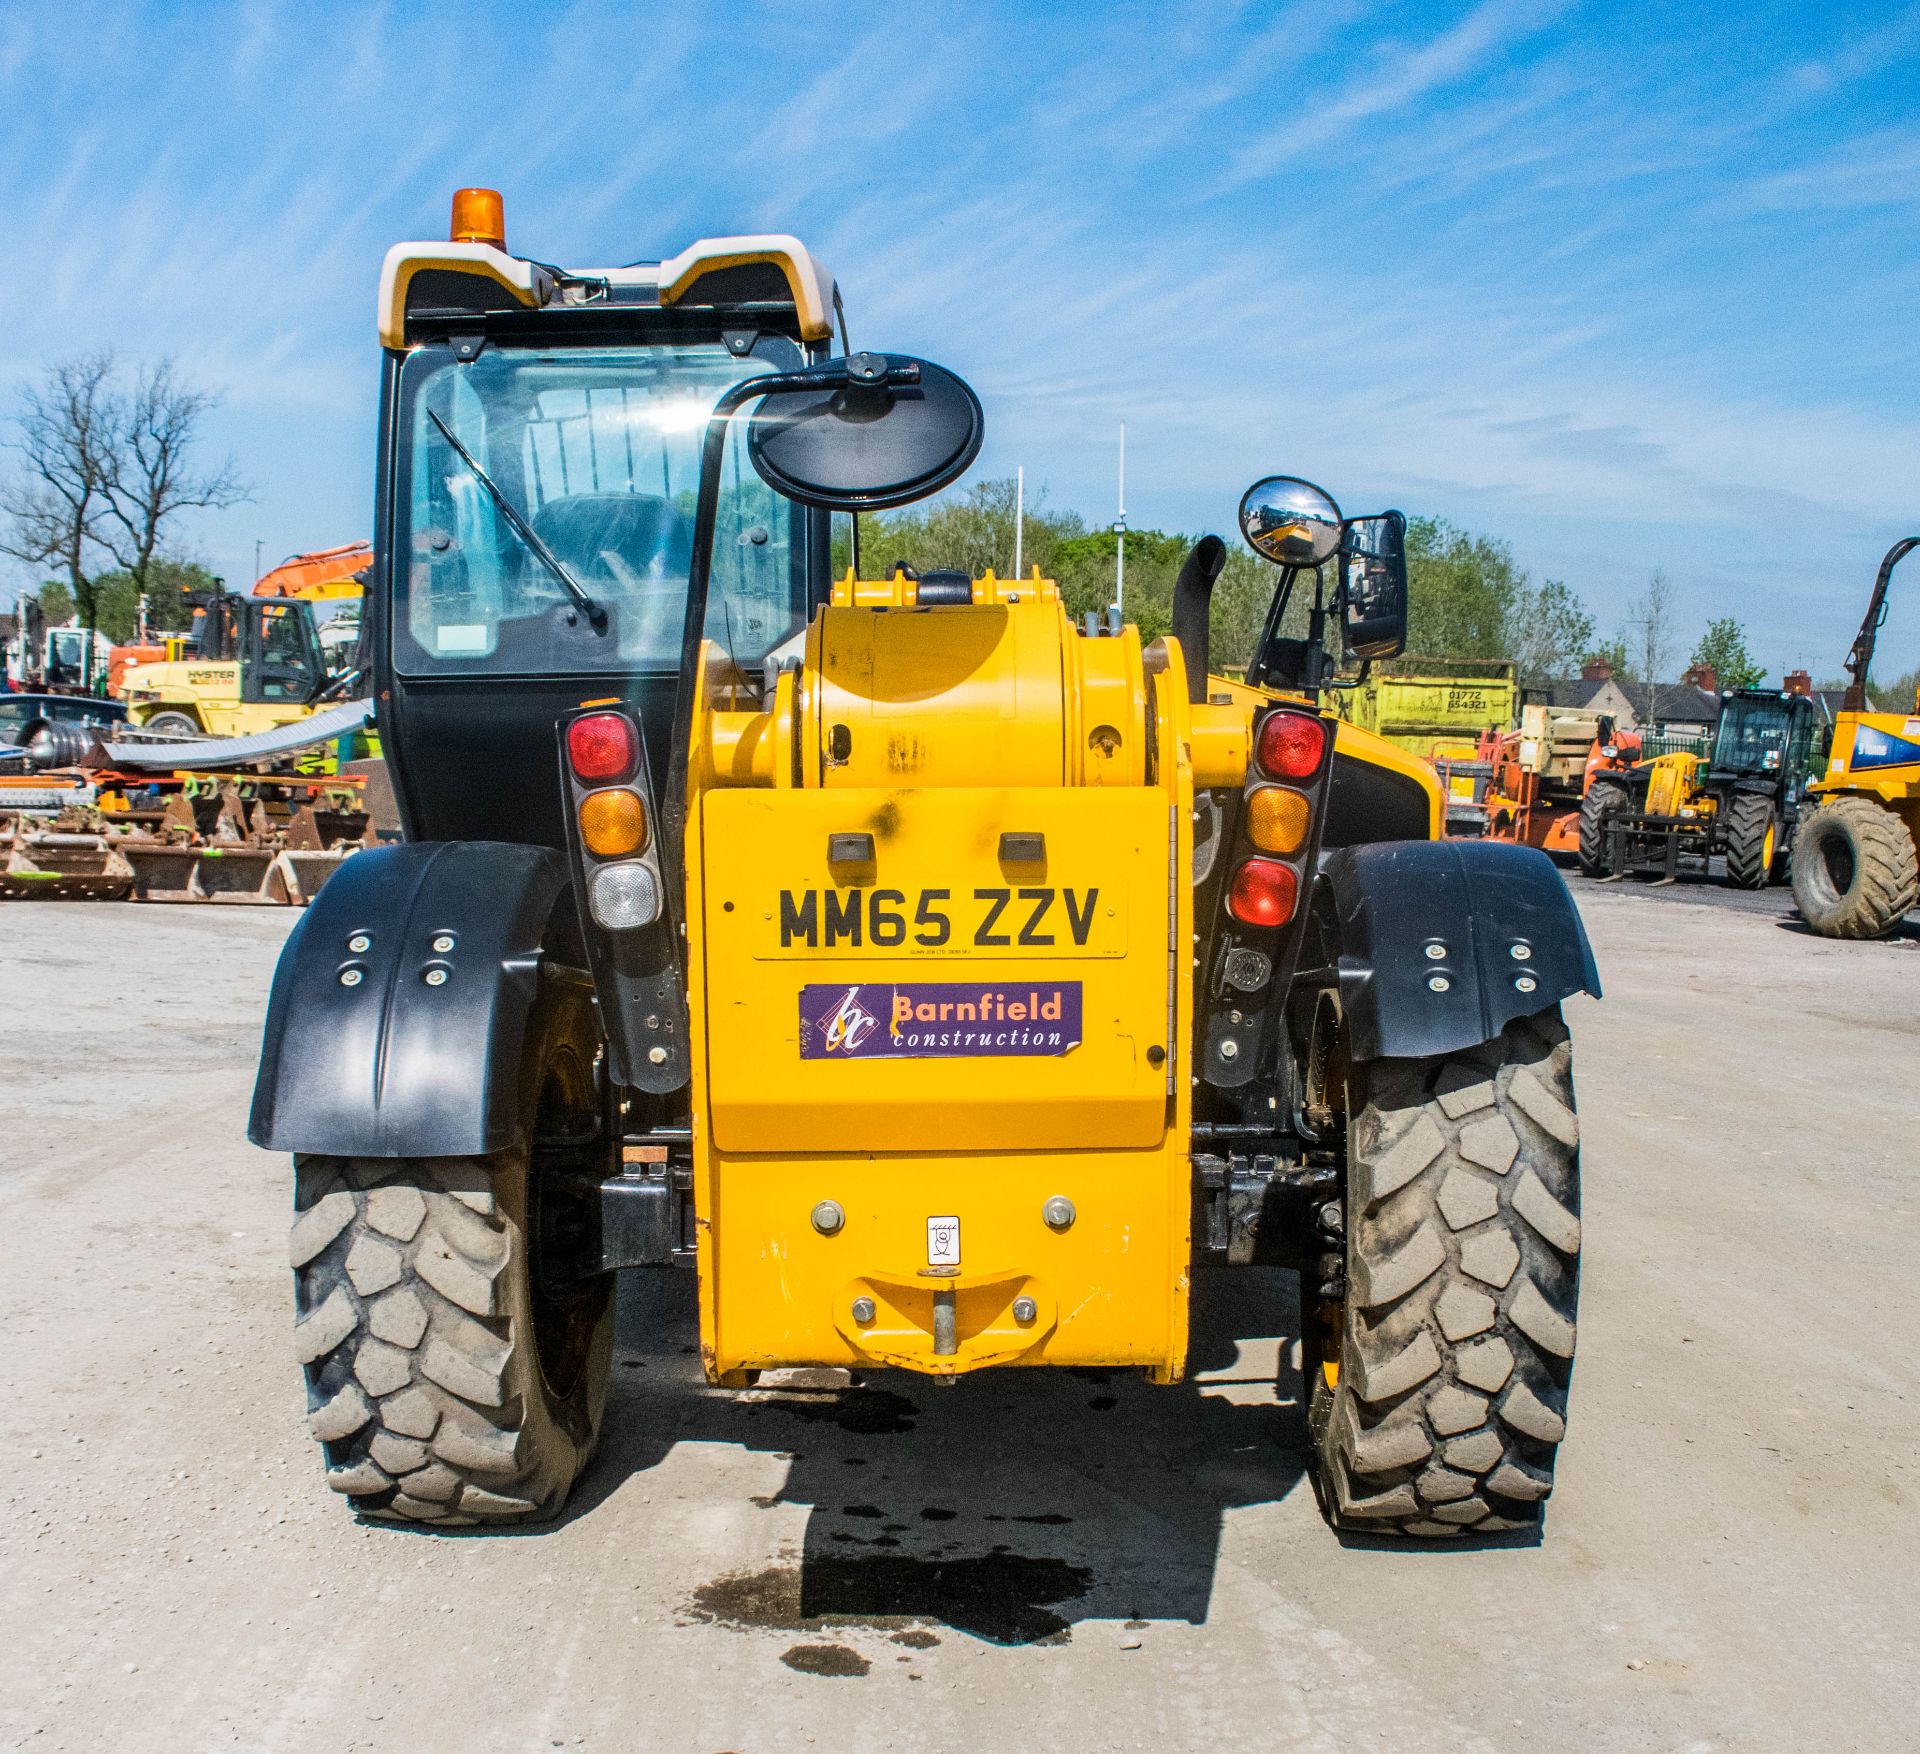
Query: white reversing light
point(623, 896)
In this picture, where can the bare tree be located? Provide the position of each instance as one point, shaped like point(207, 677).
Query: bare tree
point(54, 505)
point(150, 477)
point(1652, 619)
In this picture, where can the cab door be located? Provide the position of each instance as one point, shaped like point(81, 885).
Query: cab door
point(283, 664)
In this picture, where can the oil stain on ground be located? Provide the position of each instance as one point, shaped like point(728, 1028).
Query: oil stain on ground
point(825, 1659)
point(1003, 1598)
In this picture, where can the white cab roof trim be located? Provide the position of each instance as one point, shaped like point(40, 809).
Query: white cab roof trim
point(812, 286)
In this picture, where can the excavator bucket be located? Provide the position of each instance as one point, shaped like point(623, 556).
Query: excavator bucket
point(64, 867)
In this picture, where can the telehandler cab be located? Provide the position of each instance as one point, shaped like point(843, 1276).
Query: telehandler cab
point(940, 980)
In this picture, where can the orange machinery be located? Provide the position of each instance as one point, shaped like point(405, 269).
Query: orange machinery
point(319, 575)
point(1541, 771)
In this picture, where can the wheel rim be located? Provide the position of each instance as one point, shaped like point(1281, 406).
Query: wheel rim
point(1835, 868)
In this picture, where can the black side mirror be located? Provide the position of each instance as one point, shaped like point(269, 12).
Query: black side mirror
point(1373, 586)
point(889, 431)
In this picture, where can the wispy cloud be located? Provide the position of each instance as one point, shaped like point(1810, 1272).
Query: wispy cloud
point(1847, 59)
point(1602, 281)
point(1877, 170)
point(1393, 76)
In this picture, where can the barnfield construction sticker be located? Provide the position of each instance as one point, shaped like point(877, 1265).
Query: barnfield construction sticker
point(920, 1020)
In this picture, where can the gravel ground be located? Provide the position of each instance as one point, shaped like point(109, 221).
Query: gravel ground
point(1029, 1561)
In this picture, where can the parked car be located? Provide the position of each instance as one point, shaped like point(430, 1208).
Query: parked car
point(51, 730)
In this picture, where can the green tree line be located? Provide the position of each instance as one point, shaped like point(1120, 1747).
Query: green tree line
point(116, 598)
point(1468, 596)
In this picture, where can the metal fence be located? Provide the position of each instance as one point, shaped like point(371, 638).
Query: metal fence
point(1676, 742)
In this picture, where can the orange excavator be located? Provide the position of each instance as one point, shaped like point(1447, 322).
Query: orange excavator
point(320, 576)
point(1542, 770)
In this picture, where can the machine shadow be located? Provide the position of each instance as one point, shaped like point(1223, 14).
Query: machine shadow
point(1907, 931)
point(1007, 1506)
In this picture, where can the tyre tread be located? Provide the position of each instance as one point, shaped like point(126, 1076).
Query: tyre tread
point(419, 1401)
point(1750, 815)
point(1435, 1437)
point(1887, 884)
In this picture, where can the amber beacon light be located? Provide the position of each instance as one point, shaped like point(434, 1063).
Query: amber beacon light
point(479, 217)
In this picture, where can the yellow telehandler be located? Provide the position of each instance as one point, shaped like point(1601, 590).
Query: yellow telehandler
point(1856, 865)
point(936, 978)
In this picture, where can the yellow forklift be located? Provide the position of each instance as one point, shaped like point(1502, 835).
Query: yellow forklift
point(938, 979)
point(249, 664)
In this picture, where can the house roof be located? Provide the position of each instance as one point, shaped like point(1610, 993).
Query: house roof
point(1673, 702)
point(1831, 700)
point(1679, 703)
point(1570, 691)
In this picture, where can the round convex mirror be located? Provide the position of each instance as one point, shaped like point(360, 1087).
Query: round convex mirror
point(1290, 521)
point(867, 447)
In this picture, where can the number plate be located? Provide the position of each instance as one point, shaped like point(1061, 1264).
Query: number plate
point(995, 920)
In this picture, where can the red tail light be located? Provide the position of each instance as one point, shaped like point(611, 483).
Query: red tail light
point(1290, 745)
point(603, 746)
point(1263, 893)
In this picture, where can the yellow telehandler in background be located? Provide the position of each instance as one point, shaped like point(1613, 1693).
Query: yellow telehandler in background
point(1856, 864)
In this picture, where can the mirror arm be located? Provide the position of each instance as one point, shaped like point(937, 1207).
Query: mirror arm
point(673, 799)
point(863, 368)
point(1270, 628)
point(1320, 665)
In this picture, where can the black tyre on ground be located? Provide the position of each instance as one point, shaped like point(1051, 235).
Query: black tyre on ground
point(1753, 841)
point(1855, 871)
point(1438, 1385)
point(453, 1376)
point(1604, 799)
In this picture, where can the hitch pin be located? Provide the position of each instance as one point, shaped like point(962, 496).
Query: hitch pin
point(946, 1331)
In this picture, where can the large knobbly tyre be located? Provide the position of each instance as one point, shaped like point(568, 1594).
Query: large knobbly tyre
point(1855, 874)
point(1753, 841)
point(1455, 1339)
point(447, 1381)
point(1604, 798)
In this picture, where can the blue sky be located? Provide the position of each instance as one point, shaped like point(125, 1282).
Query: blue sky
point(1629, 286)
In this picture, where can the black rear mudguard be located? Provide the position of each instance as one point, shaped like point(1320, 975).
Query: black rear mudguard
point(396, 1048)
point(1442, 944)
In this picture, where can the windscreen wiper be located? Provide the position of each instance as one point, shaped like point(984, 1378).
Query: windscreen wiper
point(525, 531)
